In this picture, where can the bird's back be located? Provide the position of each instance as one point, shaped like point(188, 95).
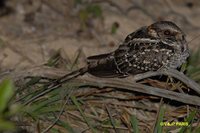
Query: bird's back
point(160, 45)
point(105, 65)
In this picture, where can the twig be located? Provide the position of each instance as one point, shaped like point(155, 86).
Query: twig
point(128, 85)
point(111, 119)
point(122, 84)
point(41, 94)
point(173, 73)
point(127, 105)
point(59, 115)
point(157, 115)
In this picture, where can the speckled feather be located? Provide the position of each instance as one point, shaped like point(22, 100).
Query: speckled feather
point(142, 56)
point(146, 49)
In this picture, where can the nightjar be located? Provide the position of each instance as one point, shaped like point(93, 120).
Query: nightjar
point(161, 45)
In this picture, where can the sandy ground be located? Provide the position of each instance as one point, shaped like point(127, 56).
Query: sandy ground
point(35, 30)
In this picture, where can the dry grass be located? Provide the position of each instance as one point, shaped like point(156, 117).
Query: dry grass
point(81, 106)
point(38, 28)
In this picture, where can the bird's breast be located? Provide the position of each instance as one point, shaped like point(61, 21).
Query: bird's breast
point(178, 59)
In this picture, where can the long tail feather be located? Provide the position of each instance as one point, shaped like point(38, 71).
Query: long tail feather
point(58, 82)
point(73, 75)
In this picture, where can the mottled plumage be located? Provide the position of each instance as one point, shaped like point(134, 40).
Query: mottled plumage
point(150, 48)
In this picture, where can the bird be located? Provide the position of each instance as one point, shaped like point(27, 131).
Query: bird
point(161, 45)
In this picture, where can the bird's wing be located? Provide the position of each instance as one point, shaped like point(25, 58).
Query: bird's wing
point(141, 55)
point(103, 66)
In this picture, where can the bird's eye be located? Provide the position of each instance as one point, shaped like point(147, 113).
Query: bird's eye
point(183, 37)
point(167, 32)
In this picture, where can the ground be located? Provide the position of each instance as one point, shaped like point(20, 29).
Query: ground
point(32, 31)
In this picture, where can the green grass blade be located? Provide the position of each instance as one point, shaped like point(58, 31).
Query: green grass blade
point(6, 92)
point(158, 127)
point(76, 59)
point(83, 115)
point(189, 119)
point(6, 125)
point(66, 125)
point(134, 123)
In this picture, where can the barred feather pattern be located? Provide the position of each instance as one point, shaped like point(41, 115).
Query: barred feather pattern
point(161, 45)
point(143, 54)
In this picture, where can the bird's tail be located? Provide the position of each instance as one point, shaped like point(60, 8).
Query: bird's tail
point(102, 66)
point(58, 82)
point(73, 75)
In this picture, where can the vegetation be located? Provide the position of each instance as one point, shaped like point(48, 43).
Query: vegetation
point(69, 106)
point(73, 107)
point(7, 108)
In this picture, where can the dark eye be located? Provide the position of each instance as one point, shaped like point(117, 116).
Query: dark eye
point(183, 37)
point(167, 32)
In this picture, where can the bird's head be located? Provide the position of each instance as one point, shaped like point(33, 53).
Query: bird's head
point(169, 33)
